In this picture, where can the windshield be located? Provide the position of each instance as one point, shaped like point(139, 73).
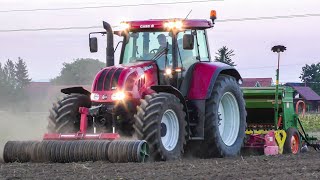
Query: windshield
point(147, 46)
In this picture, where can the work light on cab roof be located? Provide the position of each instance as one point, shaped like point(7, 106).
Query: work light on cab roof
point(124, 26)
point(168, 24)
point(173, 25)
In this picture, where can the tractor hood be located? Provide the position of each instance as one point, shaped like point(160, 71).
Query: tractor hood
point(132, 79)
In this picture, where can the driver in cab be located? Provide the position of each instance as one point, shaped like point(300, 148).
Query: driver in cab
point(164, 49)
point(162, 40)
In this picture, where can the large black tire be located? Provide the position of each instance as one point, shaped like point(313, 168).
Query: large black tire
point(292, 145)
point(214, 145)
point(148, 125)
point(64, 116)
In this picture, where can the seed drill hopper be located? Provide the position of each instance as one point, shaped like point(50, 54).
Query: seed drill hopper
point(286, 131)
point(273, 126)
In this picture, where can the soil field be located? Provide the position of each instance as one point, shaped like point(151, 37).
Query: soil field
point(302, 166)
point(31, 126)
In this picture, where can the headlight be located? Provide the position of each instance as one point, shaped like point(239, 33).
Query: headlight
point(118, 96)
point(168, 71)
point(94, 96)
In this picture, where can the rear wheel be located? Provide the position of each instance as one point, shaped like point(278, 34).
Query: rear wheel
point(64, 116)
point(225, 119)
point(160, 120)
point(292, 144)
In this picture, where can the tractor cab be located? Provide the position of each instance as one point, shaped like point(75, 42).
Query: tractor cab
point(174, 45)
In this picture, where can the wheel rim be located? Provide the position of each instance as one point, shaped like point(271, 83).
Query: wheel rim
point(294, 144)
point(229, 118)
point(169, 130)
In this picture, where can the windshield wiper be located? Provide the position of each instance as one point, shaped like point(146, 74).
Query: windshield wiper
point(160, 53)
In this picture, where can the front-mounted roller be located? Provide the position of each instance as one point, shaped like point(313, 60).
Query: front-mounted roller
point(75, 151)
point(75, 147)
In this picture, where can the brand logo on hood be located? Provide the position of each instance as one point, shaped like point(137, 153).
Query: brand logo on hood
point(147, 67)
point(104, 97)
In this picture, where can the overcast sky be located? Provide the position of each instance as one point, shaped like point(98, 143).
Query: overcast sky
point(45, 51)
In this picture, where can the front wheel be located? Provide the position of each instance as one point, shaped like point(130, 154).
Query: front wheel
point(160, 120)
point(225, 121)
point(64, 116)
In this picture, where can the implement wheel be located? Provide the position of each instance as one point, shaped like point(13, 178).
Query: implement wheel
point(292, 144)
point(160, 120)
point(225, 121)
point(64, 116)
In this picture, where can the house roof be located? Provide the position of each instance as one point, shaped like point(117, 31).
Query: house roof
point(307, 93)
point(251, 82)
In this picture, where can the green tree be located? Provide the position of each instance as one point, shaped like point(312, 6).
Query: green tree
point(79, 72)
point(22, 81)
point(9, 77)
point(9, 74)
point(21, 74)
point(13, 80)
point(224, 55)
point(1, 76)
point(8, 83)
point(311, 75)
point(2, 82)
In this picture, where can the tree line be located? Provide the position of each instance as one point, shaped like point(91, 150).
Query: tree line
point(14, 78)
point(79, 72)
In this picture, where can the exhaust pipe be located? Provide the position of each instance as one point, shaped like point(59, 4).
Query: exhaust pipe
point(110, 48)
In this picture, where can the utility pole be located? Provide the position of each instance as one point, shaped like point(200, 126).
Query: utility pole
point(277, 49)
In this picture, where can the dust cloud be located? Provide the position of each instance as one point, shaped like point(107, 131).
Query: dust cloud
point(26, 118)
point(21, 126)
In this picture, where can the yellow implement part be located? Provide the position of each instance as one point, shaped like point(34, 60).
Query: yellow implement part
point(281, 136)
point(248, 132)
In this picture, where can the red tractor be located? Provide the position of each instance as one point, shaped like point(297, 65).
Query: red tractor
point(166, 90)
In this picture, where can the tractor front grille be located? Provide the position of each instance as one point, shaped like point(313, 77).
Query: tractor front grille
point(108, 79)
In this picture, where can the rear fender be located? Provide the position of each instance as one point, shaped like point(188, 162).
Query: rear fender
point(76, 90)
point(204, 76)
point(198, 84)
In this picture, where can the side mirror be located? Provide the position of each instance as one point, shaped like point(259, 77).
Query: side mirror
point(188, 41)
point(93, 43)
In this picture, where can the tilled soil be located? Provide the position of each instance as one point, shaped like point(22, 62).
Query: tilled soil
point(305, 166)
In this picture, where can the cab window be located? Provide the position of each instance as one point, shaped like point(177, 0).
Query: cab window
point(203, 48)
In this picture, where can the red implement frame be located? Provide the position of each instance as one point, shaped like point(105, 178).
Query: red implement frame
point(82, 134)
point(255, 141)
